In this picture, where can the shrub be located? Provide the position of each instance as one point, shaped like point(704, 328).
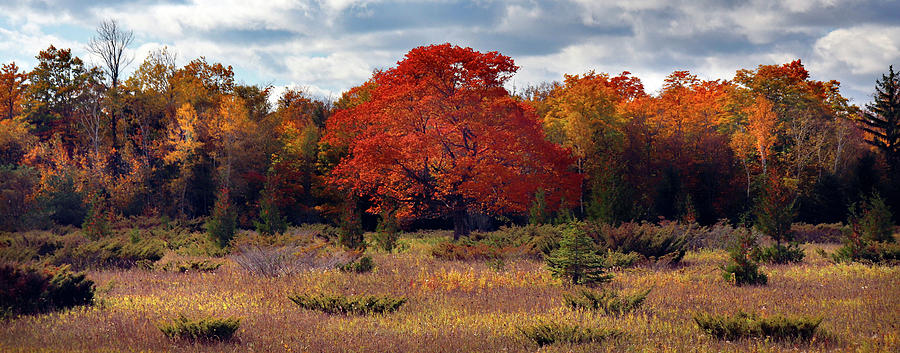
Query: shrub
point(775, 211)
point(465, 252)
point(869, 239)
point(819, 233)
point(665, 243)
point(743, 267)
point(607, 301)
point(339, 304)
point(191, 266)
point(26, 290)
point(222, 222)
point(751, 325)
point(270, 219)
point(387, 233)
point(615, 259)
point(781, 254)
point(361, 265)
point(205, 329)
point(97, 221)
point(873, 221)
point(109, 252)
point(273, 261)
point(550, 333)
point(577, 260)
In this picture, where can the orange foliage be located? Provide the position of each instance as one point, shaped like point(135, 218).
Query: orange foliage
point(441, 136)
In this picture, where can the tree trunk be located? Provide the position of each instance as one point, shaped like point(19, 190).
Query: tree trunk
point(460, 223)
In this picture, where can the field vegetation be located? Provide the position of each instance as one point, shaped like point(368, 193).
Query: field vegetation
point(417, 300)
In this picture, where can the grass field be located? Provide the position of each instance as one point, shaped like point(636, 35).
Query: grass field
point(469, 307)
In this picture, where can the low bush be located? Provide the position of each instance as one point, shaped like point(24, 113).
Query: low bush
point(870, 236)
point(205, 329)
point(819, 233)
point(664, 244)
point(781, 253)
point(274, 261)
point(109, 252)
point(361, 265)
point(466, 252)
point(608, 301)
point(744, 325)
point(190, 266)
point(615, 259)
point(340, 304)
point(550, 333)
point(26, 290)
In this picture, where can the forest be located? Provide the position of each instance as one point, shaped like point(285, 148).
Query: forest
point(179, 191)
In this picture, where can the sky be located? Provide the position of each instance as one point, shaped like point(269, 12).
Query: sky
point(328, 46)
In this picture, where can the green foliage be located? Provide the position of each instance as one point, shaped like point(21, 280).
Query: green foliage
point(466, 252)
point(607, 301)
point(664, 244)
point(551, 333)
point(270, 219)
point(206, 329)
point(538, 213)
point(576, 261)
point(191, 266)
point(387, 232)
point(751, 325)
point(870, 238)
point(96, 223)
point(873, 221)
point(26, 290)
point(615, 259)
point(222, 223)
point(742, 267)
point(351, 231)
point(775, 212)
point(63, 201)
point(781, 254)
point(340, 304)
point(109, 252)
point(361, 265)
point(16, 191)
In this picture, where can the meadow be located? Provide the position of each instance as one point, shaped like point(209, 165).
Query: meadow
point(464, 306)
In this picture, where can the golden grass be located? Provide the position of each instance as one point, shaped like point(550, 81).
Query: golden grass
point(459, 306)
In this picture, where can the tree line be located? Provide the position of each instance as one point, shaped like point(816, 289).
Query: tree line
point(436, 140)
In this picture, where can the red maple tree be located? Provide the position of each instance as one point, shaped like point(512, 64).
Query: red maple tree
point(440, 136)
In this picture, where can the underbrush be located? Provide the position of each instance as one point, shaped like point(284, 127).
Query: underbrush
point(274, 261)
point(743, 325)
point(28, 290)
point(206, 329)
point(607, 301)
point(340, 304)
point(550, 333)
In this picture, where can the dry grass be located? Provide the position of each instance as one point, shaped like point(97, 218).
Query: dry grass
point(469, 307)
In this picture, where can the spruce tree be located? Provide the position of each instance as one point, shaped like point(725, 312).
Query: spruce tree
point(577, 260)
point(882, 119)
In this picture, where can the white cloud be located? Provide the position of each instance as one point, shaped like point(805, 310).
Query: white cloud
point(863, 49)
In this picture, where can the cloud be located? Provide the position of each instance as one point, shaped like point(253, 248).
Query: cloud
point(328, 46)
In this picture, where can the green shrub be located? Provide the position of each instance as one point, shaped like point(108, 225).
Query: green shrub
point(615, 259)
point(665, 243)
point(387, 233)
point(222, 222)
point(874, 221)
point(744, 325)
point(26, 290)
point(869, 239)
point(97, 221)
point(109, 252)
point(550, 333)
point(743, 268)
point(270, 218)
point(191, 266)
point(340, 304)
point(361, 265)
point(466, 252)
point(576, 260)
point(775, 211)
point(205, 329)
point(607, 301)
point(781, 254)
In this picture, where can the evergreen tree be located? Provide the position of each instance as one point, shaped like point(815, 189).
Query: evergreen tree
point(882, 119)
point(577, 260)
